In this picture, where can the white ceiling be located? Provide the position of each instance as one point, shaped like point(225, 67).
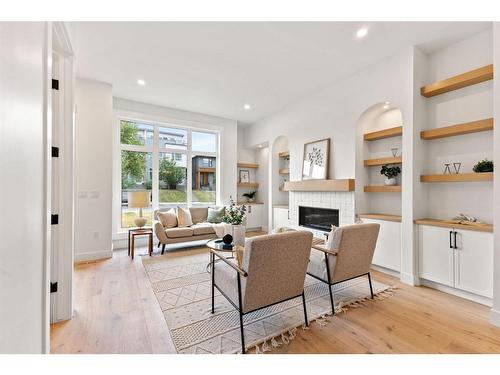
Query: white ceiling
point(215, 68)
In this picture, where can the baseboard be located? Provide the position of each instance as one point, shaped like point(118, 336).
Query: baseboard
point(495, 317)
point(94, 255)
point(409, 279)
point(457, 292)
point(386, 271)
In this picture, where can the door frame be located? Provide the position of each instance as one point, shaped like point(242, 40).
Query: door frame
point(61, 264)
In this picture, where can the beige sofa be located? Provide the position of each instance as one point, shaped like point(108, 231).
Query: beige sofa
point(200, 230)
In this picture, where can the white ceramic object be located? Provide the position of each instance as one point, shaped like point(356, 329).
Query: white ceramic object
point(390, 181)
point(239, 232)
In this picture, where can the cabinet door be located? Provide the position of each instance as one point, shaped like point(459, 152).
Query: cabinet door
point(474, 262)
point(254, 216)
point(435, 255)
point(388, 250)
point(280, 217)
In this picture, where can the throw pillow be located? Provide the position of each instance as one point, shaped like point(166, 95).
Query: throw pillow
point(215, 215)
point(184, 217)
point(334, 238)
point(167, 219)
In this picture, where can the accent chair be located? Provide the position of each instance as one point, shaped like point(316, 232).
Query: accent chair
point(352, 259)
point(273, 270)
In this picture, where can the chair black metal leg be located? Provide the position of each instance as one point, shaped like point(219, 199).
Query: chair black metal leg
point(212, 270)
point(370, 281)
point(162, 249)
point(158, 244)
point(240, 310)
point(305, 310)
point(329, 285)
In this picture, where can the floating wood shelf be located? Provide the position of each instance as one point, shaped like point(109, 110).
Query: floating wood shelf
point(382, 189)
point(449, 224)
point(249, 203)
point(459, 129)
point(320, 185)
point(284, 154)
point(395, 218)
point(248, 184)
point(381, 134)
point(383, 161)
point(248, 165)
point(284, 171)
point(457, 82)
point(457, 177)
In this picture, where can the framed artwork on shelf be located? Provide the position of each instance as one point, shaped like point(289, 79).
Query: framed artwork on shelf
point(244, 175)
point(316, 159)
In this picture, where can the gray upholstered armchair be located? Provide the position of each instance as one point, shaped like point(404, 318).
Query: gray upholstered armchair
point(273, 270)
point(352, 259)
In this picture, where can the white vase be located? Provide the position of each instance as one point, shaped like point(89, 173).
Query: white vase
point(390, 181)
point(239, 232)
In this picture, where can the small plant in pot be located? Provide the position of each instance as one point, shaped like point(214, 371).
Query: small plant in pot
point(390, 174)
point(483, 166)
point(250, 196)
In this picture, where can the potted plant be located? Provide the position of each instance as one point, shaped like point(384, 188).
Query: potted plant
point(483, 166)
point(390, 174)
point(234, 217)
point(250, 196)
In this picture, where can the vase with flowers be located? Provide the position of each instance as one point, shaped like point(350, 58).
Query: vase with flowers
point(234, 217)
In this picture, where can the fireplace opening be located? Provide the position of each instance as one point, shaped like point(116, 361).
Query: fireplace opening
point(318, 218)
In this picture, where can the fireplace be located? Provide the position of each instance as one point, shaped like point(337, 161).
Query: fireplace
point(318, 218)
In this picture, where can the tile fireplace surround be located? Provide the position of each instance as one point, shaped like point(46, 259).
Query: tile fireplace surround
point(342, 201)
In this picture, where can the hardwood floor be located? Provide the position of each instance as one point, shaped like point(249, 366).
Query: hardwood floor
point(117, 312)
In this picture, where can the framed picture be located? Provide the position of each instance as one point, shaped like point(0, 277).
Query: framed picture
point(244, 175)
point(316, 159)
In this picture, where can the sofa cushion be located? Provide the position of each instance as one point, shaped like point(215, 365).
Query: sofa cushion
point(216, 214)
point(168, 219)
point(198, 214)
point(202, 228)
point(184, 217)
point(179, 232)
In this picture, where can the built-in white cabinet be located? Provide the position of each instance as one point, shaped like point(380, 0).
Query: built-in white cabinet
point(388, 250)
point(254, 216)
point(457, 258)
point(281, 217)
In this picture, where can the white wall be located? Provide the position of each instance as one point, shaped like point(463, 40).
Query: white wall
point(495, 311)
point(93, 170)
point(24, 155)
point(334, 112)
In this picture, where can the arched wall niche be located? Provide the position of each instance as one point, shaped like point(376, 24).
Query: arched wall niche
point(377, 117)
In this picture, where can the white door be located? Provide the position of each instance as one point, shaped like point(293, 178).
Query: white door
point(280, 217)
point(388, 250)
point(436, 254)
point(474, 262)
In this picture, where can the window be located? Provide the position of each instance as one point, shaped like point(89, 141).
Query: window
point(177, 166)
point(172, 180)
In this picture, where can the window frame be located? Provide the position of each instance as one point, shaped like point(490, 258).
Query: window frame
point(155, 151)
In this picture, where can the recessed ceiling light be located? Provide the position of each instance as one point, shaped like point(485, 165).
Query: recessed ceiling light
point(361, 33)
point(260, 146)
point(386, 105)
point(247, 107)
point(141, 82)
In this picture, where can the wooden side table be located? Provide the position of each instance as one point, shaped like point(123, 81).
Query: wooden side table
point(132, 233)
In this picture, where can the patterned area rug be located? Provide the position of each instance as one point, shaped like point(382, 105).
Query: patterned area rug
point(182, 287)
